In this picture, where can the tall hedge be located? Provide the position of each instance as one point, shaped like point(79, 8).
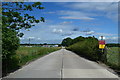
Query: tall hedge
point(87, 48)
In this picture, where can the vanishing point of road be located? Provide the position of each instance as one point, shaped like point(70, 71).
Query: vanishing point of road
point(64, 64)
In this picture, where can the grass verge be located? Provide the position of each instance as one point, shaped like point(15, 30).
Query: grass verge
point(27, 54)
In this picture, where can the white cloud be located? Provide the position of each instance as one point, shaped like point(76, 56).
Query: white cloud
point(90, 32)
point(66, 22)
point(50, 12)
point(66, 27)
point(108, 9)
point(82, 18)
point(112, 39)
point(62, 30)
point(105, 34)
point(98, 6)
point(57, 30)
point(67, 33)
point(75, 15)
point(39, 38)
point(31, 37)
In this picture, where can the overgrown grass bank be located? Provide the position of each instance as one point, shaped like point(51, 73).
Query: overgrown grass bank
point(113, 57)
point(26, 54)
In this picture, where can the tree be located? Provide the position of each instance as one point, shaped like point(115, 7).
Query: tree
point(77, 39)
point(14, 19)
point(66, 42)
point(10, 43)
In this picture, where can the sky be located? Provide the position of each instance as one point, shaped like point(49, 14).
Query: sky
point(73, 19)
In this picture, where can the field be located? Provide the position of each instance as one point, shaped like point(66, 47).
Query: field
point(113, 56)
point(26, 54)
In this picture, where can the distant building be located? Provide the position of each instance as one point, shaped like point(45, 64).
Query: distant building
point(49, 45)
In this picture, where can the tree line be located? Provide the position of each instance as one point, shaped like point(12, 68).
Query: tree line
point(113, 45)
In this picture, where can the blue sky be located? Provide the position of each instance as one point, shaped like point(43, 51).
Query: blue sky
point(73, 19)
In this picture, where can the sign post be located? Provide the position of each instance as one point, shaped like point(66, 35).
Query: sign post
point(102, 47)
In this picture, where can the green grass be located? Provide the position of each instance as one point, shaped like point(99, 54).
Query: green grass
point(27, 54)
point(113, 56)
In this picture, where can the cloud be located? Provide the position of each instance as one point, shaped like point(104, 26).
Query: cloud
point(67, 34)
point(94, 6)
point(65, 27)
point(105, 34)
point(57, 30)
point(86, 30)
point(63, 30)
point(108, 9)
point(75, 29)
point(75, 15)
point(112, 39)
point(31, 37)
point(90, 32)
point(80, 18)
point(50, 12)
point(39, 38)
point(66, 22)
point(62, 33)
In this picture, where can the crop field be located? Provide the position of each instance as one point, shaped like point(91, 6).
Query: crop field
point(113, 56)
point(26, 54)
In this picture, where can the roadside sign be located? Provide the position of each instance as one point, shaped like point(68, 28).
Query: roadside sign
point(102, 42)
point(101, 46)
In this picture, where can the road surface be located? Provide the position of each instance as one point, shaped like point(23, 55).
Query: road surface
point(63, 64)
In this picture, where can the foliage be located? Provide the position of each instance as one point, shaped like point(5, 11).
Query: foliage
point(87, 48)
point(14, 19)
point(77, 39)
point(9, 44)
point(66, 42)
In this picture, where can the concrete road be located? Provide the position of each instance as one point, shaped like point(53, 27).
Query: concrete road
point(63, 64)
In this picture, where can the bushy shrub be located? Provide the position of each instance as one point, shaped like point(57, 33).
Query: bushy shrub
point(87, 48)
